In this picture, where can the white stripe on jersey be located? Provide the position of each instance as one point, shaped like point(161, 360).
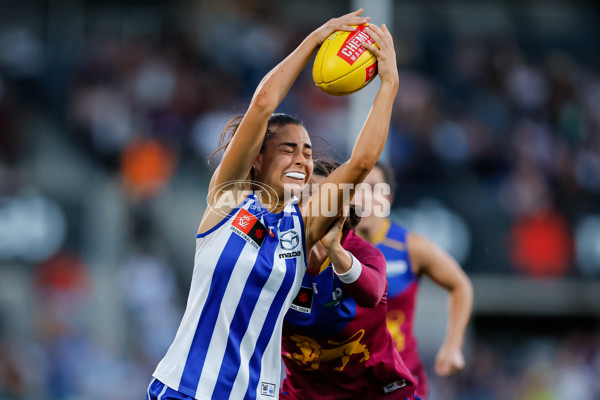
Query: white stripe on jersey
point(270, 372)
point(148, 390)
point(162, 392)
point(233, 295)
point(202, 355)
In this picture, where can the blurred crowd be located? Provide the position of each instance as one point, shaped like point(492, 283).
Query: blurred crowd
point(536, 368)
point(504, 129)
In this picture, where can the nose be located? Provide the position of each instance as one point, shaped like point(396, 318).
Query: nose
point(299, 160)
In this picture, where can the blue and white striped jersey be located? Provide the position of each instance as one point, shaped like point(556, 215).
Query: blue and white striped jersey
point(247, 271)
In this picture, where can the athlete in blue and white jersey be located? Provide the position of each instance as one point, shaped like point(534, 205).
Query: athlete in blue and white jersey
point(250, 254)
point(246, 271)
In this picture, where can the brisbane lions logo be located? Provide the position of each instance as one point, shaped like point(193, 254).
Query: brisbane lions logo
point(395, 319)
point(312, 354)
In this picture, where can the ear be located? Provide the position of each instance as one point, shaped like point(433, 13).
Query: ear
point(257, 163)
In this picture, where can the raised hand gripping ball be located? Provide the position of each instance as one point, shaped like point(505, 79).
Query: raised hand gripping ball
point(342, 66)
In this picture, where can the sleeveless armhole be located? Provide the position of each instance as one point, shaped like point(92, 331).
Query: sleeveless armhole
point(225, 219)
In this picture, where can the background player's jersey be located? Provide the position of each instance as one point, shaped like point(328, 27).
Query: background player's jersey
point(402, 296)
point(335, 348)
point(247, 270)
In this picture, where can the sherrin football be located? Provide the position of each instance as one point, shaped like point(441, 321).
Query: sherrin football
point(342, 66)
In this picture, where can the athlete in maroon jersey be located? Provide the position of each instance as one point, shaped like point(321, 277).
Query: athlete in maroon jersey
point(409, 256)
point(335, 341)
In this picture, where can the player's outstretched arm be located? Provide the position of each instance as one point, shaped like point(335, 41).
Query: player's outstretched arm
point(429, 259)
point(247, 141)
point(368, 145)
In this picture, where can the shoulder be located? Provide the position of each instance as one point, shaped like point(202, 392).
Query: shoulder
point(360, 248)
point(397, 232)
point(421, 250)
point(351, 241)
point(417, 243)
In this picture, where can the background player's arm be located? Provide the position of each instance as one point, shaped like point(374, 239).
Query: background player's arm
point(368, 146)
point(429, 259)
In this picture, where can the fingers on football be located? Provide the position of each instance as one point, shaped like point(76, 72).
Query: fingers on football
point(379, 36)
point(372, 49)
point(357, 20)
point(387, 35)
point(353, 13)
point(352, 18)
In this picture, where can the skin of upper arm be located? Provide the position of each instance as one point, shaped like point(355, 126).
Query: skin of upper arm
point(243, 149)
point(427, 258)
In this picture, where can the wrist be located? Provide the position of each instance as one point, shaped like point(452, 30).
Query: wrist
point(352, 274)
point(452, 344)
point(390, 83)
point(313, 39)
point(333, 248)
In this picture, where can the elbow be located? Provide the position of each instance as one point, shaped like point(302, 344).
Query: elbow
point(469, 290)
point(369, 301)
point(464, 290)
point(364, 163)
point(263, 101)
point(370, 298)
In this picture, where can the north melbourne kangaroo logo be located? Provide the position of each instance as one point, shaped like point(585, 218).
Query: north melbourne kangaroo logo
point(289, 240)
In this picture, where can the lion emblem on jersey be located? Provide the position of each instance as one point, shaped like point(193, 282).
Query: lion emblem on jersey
point(312, 354)
point(395, 319)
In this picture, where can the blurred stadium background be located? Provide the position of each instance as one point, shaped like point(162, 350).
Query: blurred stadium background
point(108, 110)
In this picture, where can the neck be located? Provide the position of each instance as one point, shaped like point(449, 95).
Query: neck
point(267, 199)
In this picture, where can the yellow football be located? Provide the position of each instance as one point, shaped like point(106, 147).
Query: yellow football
point(342, 66)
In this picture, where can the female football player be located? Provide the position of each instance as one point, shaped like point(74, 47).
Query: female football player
point(250, 253)
point(335, 341)
point(410, 256)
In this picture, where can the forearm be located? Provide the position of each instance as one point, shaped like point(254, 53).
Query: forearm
point(460, 306)
point(372, 137)
point(341, 260)
point(274, 86)
point(364, 282)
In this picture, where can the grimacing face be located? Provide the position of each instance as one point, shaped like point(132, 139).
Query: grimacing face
point(286, 164)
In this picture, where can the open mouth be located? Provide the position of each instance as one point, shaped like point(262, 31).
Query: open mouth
point(296, 175)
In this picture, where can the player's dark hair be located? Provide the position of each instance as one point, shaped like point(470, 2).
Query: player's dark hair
point(388, 175)
point(324, 166)
point(275, 121)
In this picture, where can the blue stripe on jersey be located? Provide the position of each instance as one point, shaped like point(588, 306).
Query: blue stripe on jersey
point(287, 223)
point(159, 391)
point(240, 322)
point(208, 318)
point(398, 280)
point(268, 328)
